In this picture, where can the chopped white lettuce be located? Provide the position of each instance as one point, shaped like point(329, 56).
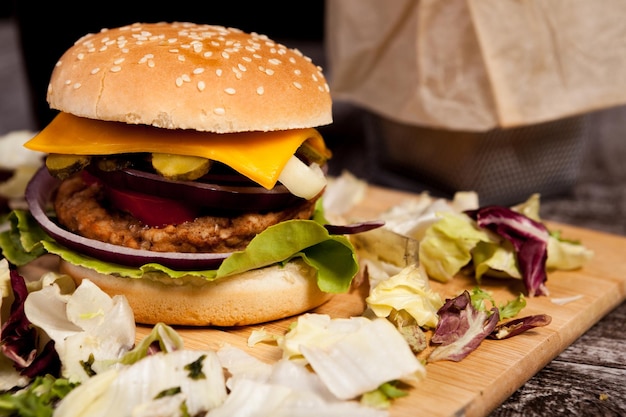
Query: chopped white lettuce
point(408, 291)
point(9, 377)
point(124, 391)
point(84, 323)
point(241, 365)
point(565, 300)
point(343, 193)
point(352, 356)
point(285, 388)
point(5, 284)
point(253, 398)
point(412, 217)
point(13, 154)
point(15, 187)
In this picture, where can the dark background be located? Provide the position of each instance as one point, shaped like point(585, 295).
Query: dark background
point(48, 28)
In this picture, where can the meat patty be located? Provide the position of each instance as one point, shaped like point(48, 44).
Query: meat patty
point(82, 209)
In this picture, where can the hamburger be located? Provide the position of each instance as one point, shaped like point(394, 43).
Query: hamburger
point(184, 170)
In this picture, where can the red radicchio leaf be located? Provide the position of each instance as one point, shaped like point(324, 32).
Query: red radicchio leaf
point(19, 339)
point(461, 328)
point(529, 238)
point(517, 326)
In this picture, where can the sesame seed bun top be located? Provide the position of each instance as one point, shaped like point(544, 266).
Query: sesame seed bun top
point(189, 76)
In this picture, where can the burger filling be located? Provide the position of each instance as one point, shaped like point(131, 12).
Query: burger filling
point(82, 206)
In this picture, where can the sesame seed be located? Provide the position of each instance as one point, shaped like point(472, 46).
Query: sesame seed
point(225, 55)
point(230, 91)
point(181, 58)
point(179, 81)
point(297, 72)
point(76, 86)
point(201, 85)
point(198, 71)
point(218, 72)
point(246, 58)
point(151, 63)
point(68, 82)
point(274, 61)
point(260, 91)
point(80, 56)
point(118, 61)
point(297, 85)
point(116, 68)
point(95, 71)
point(241, 67)
point(269, 71)
point(219, 111)
point(207, 54)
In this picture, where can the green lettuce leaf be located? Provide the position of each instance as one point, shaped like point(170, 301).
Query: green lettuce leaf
point(448, 243)
point(23, 241)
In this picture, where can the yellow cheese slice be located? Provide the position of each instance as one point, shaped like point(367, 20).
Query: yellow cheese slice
point(260, 156)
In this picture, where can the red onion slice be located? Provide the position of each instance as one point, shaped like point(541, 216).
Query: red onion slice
point(38, 196)
point(232, 198)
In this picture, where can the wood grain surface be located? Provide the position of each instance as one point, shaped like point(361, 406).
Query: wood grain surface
point(487, 377)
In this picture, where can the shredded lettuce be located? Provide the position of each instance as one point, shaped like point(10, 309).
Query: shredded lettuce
point(407, 291)
point(336, 349)
point(121, 391)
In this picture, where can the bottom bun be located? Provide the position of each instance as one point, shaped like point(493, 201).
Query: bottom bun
point(252, 297)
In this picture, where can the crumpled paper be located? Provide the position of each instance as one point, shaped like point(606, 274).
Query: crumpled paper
point(477, 64)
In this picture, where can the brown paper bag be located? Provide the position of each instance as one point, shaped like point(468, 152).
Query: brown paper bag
point(477, 64)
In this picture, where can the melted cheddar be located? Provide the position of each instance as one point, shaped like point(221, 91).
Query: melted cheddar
point(260, 156)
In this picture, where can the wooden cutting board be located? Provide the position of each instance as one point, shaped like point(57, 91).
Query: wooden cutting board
point(489, 375)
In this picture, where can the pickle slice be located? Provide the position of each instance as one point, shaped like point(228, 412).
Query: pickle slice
point(180, 167)
point(62, 166)
point(112, 163)
point(310, 153)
